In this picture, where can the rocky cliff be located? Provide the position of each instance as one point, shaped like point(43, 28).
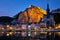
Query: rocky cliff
point(33, 14)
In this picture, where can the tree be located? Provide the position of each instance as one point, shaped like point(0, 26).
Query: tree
point(6, 19)
point(17, 15)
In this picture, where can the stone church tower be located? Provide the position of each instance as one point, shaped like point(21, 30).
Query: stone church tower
point(48, 18)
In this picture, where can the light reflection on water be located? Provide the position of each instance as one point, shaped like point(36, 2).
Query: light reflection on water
point(38, 35)
point(32, 34)
point(29, 33)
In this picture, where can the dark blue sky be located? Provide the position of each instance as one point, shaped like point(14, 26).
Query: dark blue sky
point(12, 7)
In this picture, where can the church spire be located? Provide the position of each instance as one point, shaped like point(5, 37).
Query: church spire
point(48, 9)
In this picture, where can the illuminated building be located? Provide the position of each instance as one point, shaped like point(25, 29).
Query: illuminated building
point(24, 26)
point(56, 14)
point(49, 18)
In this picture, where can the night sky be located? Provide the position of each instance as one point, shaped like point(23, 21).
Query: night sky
point(12, 7)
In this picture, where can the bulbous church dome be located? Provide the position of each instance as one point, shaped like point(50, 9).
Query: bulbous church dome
point(33, 12)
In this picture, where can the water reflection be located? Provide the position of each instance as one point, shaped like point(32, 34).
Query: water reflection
point(39, 35)
point(32, 35)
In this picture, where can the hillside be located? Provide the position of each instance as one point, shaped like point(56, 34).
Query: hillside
point(33, 12)
point(5, 19)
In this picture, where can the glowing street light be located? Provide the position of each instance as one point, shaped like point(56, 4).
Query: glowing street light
point(29, 26)
point(29, 34)
point(8, 26)
point(2, 28)
point(35, 33)
point(10, 33)
point(35, 28)
point(7, 34)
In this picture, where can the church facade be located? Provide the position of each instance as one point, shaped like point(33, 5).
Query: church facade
point(48, 18)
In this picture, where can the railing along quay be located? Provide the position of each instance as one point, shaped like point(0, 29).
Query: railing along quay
point(53, 30)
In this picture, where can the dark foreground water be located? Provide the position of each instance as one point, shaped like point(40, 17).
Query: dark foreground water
point(28, 38)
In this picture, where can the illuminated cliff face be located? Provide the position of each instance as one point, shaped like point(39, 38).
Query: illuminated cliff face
point(34, 13)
